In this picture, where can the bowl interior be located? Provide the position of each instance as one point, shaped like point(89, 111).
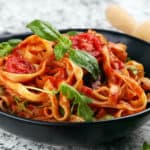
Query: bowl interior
point(137, 49)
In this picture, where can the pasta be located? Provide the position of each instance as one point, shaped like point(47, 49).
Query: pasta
point(31, 76)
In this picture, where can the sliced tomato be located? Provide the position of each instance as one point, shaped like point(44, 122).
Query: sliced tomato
point(88, 42)
point(16, 64)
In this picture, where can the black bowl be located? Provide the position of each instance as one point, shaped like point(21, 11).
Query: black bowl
point(87, 133)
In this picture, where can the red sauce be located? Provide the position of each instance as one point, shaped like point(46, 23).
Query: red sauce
point(88, 42)
point(55, 81)
point(16, 64)
point(86, 90)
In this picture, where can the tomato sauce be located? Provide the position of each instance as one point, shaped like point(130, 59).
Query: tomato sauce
point(88, 42)
point(17, 64)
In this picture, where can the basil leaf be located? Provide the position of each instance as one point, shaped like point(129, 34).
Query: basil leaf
point(85, 111)
point(85, 60)
point(72, 33)
point(59, 51)
point(146, 146)
point(62, 47)
point(86, 99)
point(47, 31)
point(44, 30)
point(14, 42)
point(70, 92)
point(65, 42)
point(7, 47)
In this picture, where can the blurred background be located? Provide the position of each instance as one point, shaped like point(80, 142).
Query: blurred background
point(15, 14)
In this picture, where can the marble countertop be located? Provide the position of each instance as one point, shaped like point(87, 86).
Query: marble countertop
point(68, 14)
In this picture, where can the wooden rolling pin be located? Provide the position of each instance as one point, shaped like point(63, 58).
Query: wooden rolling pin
point(122, 20)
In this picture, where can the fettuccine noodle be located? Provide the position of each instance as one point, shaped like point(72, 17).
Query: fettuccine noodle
point(32, 65)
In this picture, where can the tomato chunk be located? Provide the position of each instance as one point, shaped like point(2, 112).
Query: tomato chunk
point(16, 64)
point(88, 42)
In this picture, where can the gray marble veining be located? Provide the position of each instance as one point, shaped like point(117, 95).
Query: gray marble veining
point(15, 14)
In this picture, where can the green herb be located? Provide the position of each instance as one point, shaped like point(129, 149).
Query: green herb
point(133, 69)
point(63, 46)
point(146, 146)
point(14, 42)
point(83, 110)
point(72, 33)
point(7, 47)
point(44, 30)
point(86, 61)
point(107, 117)
point(21, 105)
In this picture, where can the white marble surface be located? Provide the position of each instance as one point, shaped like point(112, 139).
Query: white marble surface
point(68, 14)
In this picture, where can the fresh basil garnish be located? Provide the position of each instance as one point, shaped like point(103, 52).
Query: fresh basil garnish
point(72, 33)
point(86, 61)
point(83, 110)
point(64, 45)
point(7, 47)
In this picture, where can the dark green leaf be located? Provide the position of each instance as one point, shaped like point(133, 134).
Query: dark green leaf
point(7, 47)
point(146, 146)
point(85, 111)
point(86, 99)
point(62, 47)
point(65, 42)
point(14, 42)
point(21, 104)
point(70, 92)
point(72, 33)
point(59, 51)
point(44, 30)
point(85, 60)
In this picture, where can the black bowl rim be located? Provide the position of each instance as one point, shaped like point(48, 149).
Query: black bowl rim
point(37, 122)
